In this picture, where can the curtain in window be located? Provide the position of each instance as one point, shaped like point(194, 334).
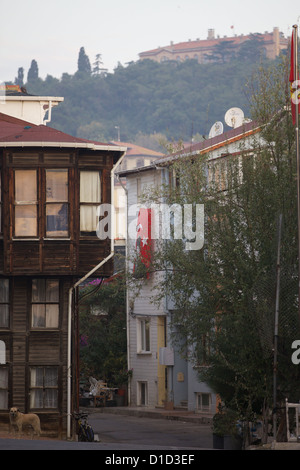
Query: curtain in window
point(57, 185)
point(4, 303)
point(90, 189)
point(56, 203)
point(45, 303)
point(88, 218)
point(90, 198)
point(4, 316)
point(43, 384)
point(25, 186)
point(25, 203)
point(3, 389)
point(2, 353)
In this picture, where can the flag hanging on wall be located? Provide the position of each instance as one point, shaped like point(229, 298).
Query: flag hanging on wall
point(294, 78)
point(143, 239)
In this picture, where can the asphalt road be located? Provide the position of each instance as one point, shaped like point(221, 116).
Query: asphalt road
point(133, 431)
point(127, 433)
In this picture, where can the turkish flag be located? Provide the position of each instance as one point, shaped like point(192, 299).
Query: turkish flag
point(294, 76)
point(143, 238)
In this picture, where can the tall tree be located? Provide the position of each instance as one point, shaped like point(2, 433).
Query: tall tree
point(84, 65)
point(33, 72)
point(19, 80)
point(98, 65)
point(224, 294)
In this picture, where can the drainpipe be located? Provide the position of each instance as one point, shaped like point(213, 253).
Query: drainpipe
point(112, 252)
point(127, 296)
point(49, 113)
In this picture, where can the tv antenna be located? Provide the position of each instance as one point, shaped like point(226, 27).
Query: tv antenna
point(234, 117)
point(216, 129)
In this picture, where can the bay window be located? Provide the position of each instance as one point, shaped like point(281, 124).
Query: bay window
point(41, 203)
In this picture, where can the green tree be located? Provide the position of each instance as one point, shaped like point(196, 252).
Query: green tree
point(222, 317)
point(98, 65)
point(33, 72)
point(223, 51)
point(83, 63)
point(102, 327)
point(252, 49)
point(19, 80)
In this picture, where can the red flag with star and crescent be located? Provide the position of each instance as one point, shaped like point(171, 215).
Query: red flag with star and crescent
point(143, 238)
point(294, 81)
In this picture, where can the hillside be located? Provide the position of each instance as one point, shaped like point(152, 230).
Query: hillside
point(177, 100)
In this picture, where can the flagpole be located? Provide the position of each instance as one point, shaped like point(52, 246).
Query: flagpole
point(295, 33)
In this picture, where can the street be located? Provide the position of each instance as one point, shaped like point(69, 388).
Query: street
point(125, 433)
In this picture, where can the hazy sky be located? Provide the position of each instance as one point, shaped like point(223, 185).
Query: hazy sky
point(52, 32)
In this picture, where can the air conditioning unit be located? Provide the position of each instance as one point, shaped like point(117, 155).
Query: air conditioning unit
point(166, 356)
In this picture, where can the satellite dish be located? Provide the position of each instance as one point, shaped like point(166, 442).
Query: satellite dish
point(234, 117)
point(216, 129)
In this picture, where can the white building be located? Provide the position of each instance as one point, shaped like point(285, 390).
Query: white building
point(161, 377)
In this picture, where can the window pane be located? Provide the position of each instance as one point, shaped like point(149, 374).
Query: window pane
point(52, 290)
point(145, 335)
point(2, 352)
point(38, 315)
point(3, 378)
point(51, 377)
point(51, 319)
point(4, 316)
point(50, 398)
point(38, 290)
point(36, 399)
point(57, 185)
point(3, 399)
point(90, 189)
point(25, 186)
point(26, 220)
point(88, 218)
point(57, 220)
point(4, 290)
point(37, 377)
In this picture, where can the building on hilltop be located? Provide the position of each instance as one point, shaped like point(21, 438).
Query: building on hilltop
point(199, 50)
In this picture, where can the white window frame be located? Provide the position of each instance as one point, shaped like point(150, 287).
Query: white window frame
point(199, 402)
point(143, 335)
point(142, 400)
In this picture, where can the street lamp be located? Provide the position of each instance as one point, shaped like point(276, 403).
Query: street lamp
point(117, 127)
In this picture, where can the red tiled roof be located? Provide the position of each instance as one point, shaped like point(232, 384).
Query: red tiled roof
point(207, 145)
point(16, 131)
point(205, 44)
point(134, 150)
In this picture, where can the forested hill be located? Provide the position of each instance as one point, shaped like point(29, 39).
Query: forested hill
point(178, 100)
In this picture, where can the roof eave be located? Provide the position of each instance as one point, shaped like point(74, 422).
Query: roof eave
point(84, 145)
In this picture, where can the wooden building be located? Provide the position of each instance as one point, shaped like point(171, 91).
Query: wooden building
point(51, 186)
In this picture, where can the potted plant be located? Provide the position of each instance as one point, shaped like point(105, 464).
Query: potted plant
point(121, 379)
point(225, 430)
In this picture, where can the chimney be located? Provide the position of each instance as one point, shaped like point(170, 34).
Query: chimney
point(211, 34)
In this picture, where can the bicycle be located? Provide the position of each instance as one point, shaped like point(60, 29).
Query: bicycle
point(85, 430)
